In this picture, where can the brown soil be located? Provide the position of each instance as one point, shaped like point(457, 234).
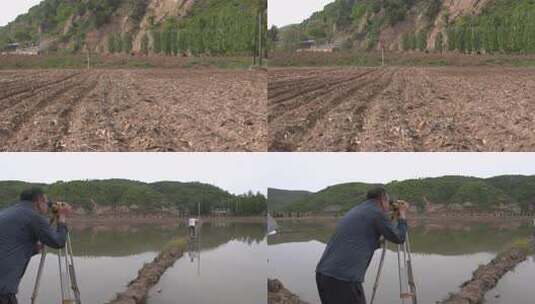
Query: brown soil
point(149, 276)
point(401, 109)
point(277, 294)
point(486, 277)
point(132, 110)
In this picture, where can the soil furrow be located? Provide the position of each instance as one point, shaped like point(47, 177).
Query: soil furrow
point(421, 109)
point(317, 109)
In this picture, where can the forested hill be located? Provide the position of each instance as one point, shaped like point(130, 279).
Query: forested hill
point(280, 199)
point(467, 26)
point(170, 27)
point(513, 193)
point(141, 197)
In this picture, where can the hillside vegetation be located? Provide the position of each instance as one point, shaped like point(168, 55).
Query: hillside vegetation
point(139, 196)
point(169, 27)
point(465, 26)
point(479, 194)
point(280, 199)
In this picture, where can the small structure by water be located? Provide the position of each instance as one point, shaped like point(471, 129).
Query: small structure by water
point(272, 225)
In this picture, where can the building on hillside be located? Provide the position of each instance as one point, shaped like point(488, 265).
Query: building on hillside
point(220, 212)
point(327, 48)
point(333, 210)
point(16, 49)
point(9, 48)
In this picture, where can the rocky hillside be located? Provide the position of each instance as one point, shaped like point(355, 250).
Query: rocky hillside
point(126, 196)
point(140, 26)
point(468, 26)
point(453, 193)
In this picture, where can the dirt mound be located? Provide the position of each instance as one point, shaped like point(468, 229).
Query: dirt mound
point(149, 275)
point(401, 109)
point(486, 277)
point(132, 110)
point(277, 294)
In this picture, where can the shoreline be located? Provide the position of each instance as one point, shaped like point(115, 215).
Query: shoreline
point(486, 277)
point(149, 275)
point(150, 219)
point(278, 294)
point(418, 218)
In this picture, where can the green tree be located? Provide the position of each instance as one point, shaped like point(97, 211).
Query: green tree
point(118, 43)
point(439, 43)
point(127, 42)
point(145, 45)
point(156, 42)
point(422, 40)
point(406, 42)
point(111, 43)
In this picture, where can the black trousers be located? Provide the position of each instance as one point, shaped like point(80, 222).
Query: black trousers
point(334, 291)
point(8, 299)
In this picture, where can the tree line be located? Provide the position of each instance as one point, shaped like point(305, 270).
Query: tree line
point(508, 28)
point(146, 197)
point(483, 194)
point(232, 28)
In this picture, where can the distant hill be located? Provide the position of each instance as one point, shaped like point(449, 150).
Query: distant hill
point(466, 26)
point(279, 199)
point(137, 196)
point(143, 26)
point(516, 192)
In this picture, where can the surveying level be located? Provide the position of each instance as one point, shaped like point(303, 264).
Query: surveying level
point(70, 294)
point(407, 285)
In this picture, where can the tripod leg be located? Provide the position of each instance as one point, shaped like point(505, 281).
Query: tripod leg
point(74, 282)
point(61, 276)
point(39, 276)
point(400, 272)
point(410, 272)
point(379, 271)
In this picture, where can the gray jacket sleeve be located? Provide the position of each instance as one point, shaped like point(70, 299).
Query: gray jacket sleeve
point(47, 235)
point(394, 234)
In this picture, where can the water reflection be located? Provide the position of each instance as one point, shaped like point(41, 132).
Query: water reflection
point(444, 256)
point(107, 257)
point(232, 272)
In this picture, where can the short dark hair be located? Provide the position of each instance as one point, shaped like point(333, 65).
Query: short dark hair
point(376, 193)
point(32, 194)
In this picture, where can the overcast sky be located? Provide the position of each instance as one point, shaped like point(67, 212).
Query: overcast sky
point(12, 8)
point(237, 173)
point(280, 12)
point(241, 172)
point(285, 12)
point(314, 172)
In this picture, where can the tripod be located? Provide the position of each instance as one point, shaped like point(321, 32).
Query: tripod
point(70, 294)
point(407, 285)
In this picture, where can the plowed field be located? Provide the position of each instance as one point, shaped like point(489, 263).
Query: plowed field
point(401, 109)
point(132, 110)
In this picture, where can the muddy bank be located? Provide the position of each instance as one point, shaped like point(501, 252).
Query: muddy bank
point(486, 277)
point(278, 294)
point(150, 274)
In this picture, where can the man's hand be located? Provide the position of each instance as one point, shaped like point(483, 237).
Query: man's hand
point(39, 247)
point(403, 209)
point(63, 211)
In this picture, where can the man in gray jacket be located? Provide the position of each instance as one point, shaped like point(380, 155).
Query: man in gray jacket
point(24, 229)
point(341, 270)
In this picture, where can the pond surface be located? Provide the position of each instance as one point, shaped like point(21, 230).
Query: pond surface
point(230, 272)
point(516, 286)
point(444, 256)
point(108, 257)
